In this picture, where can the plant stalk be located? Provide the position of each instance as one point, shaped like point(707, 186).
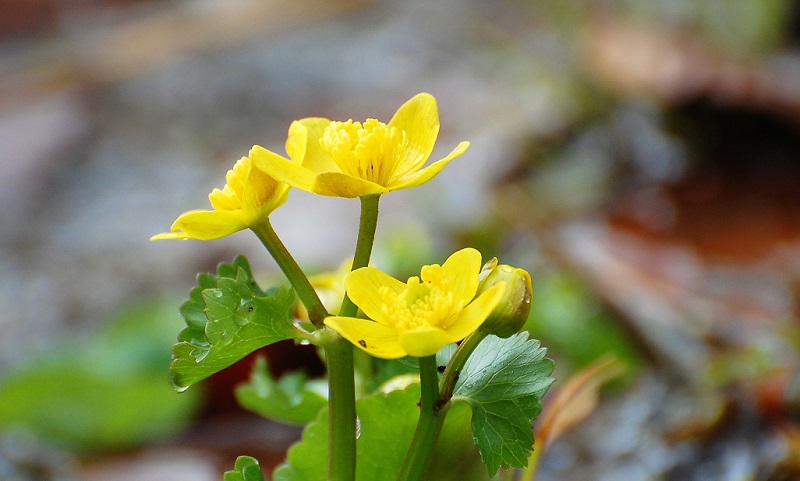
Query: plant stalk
point(305, 291)
point(341, 370)
point(431, 419)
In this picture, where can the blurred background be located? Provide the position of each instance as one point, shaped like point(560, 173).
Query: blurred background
point(640, 158)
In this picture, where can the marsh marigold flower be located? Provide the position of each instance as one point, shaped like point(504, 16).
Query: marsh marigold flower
point(248, 197)
point(421, 316)
point(355, 159)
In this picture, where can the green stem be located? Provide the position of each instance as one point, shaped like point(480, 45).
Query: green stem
point(366, 238)
point(456, 364)
point(431, 419)
point(308, 296)
point(342, 411)
point(341, 383)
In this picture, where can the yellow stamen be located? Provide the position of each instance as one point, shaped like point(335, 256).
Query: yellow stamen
point(426, 303)
point(370, 151)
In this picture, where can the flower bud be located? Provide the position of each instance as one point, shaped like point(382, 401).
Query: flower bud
point(511, 313)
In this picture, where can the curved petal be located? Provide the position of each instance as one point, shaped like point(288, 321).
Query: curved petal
point(205, 225)
point(309, 131)
point(462, 271)
point(342, 185)
point(262, 194)
point(472, 316)
point(419, 118)
point(363, 286)
point(376, 339)
point(424, 341)
point(282, 169)
point(421, 176)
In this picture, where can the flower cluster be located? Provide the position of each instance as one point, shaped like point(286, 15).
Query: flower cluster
point(356, 159)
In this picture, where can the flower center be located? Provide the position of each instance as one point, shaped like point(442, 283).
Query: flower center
point(230, 197)
point(425, 303)
point(369, 151)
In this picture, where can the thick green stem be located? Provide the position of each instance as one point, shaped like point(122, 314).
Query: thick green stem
point(308, 296)
point(342, 411)
point(431, 419)
point(341, 384)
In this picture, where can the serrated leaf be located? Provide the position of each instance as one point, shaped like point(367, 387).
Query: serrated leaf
point(387, 423)
point(237, 318)
point(245, 469)
point(292, 399)
point(503, 381)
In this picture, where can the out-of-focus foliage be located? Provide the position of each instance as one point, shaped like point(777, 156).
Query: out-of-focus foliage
point(107, 392)
point(292, 399)
point(576, 326)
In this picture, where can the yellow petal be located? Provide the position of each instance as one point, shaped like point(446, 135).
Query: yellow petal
point(376, 339)
point(461, 270)
point(421, 176)
point(419, 118)
point(363, 286)
point(283, 170)
point(342, 185)
point(205, 225)
point(474, 314)
point(424, 341)
point(262, 193)
point(305, 135)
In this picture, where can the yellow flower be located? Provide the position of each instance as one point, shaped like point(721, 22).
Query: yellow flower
point(247, 199)
point(355, 159)
point(421, 316)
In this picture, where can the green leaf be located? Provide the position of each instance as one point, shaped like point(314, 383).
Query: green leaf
point(227, 317)
point(245, 469)
point(291, 400)
point(503, 381)
point(387, 424)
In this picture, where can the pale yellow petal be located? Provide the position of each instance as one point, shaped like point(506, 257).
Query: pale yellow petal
point(461, 271)
point(310, 132)
point(472, 316)
point(419, 118)
point(421, 176)
point(262, 193)
point(282, 169)
point(363, 286)
point(337, 184)
point(424, 341)
point(207, 224)
point(376, 339)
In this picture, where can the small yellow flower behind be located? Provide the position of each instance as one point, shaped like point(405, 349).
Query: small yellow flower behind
point(355, 159)
point(421, 316)
point(247, 199)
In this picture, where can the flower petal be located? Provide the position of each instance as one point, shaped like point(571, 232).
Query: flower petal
point(304, 137)
point(461, 270)
point(363, 286)
point(376, 339)
point(424, 341)
point(342, 185)
point(262, 193)
point(282, 169)
point(204, 225)
point(421, 176)
point(419, 118)
point(474, 314)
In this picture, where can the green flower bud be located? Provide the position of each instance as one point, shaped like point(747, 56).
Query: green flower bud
point(511, 313)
